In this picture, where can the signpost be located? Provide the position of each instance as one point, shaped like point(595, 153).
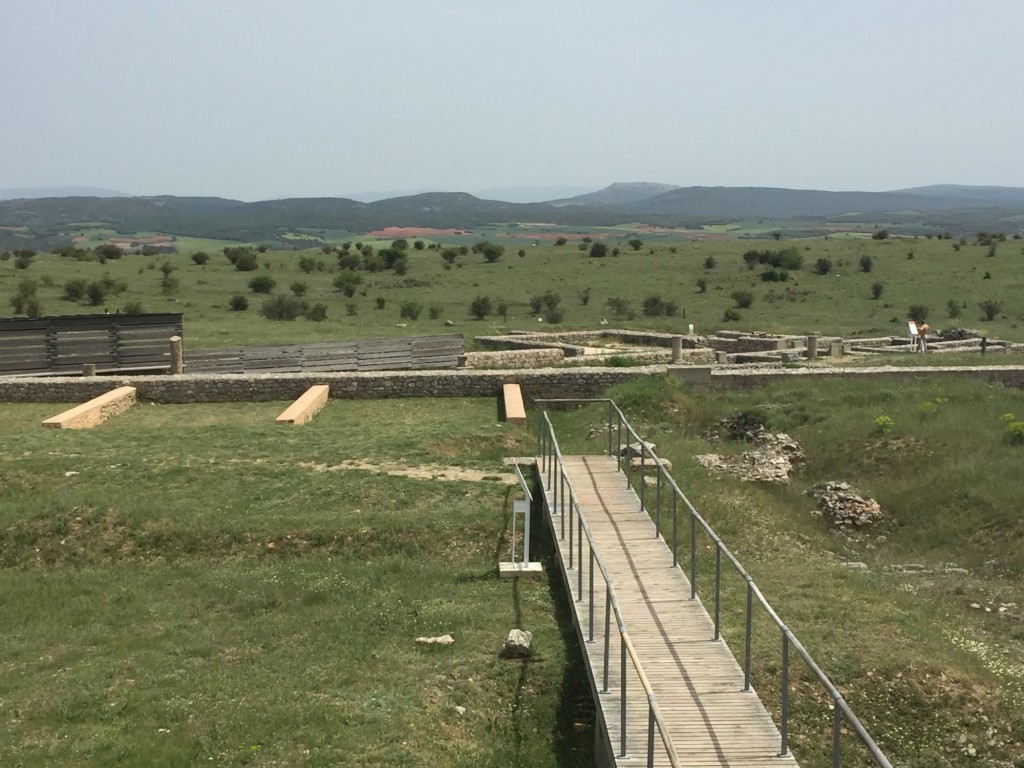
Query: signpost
point(521, 507)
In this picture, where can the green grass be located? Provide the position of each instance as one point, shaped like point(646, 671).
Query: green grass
point(926, 672)
point(149, 621)
point(839, 303)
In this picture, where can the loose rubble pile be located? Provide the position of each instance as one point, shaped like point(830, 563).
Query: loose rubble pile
point(843, 507)
point(776, 456)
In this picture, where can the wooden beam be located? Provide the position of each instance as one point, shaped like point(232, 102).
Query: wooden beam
point(303, 409)
point(94, 412)
point(515, 411)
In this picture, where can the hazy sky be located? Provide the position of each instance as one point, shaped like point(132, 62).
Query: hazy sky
point(258, 99)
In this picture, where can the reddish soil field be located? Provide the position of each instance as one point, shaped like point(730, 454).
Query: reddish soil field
point(399, 232)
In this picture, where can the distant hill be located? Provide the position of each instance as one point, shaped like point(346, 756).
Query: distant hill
point(982, 195)
point(617, 194)
point(922, 210)
point(36, 192)
point(530, 194)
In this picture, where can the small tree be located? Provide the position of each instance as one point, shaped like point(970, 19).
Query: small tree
point(262, 284)
point(316, 313)
point(347, 282)
point(199, 258)
point(307, 264)
point(823, 266)
point(480, 307)
point(298, 288)
point(702, 285)
point(882, 234)
point(991, 308)
point(584, 296)
point(876, 290)
point(503, 310)
point(866, 263)
point(710, 262)
point(598, 250)
point(636, 243)
point(953, 310)
point(918, 313)
point(744, 299)
point(492, 252)
point(281, 307)
point(410, 310)
point(560, 240)
point(238, 303)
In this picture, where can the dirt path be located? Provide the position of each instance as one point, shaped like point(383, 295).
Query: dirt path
point(419, 472)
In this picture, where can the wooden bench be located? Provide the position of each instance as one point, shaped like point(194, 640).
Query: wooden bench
point(94, 412)
point(305, 408)
point(515, 411)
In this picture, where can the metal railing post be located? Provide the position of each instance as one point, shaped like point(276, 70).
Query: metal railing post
point(675, 514)
point(579, 559)
point(571, 508)
point(609, 427)
point(746, 644)
point(693, 556)
point(561, 509)
point(607, 632)
point(650, 731)
point(591, 596)
point(837, 732)
point(643, 485)
point(718, 586)
point(657, 501)
point(622, 693)
point(784, 730)
point(618, 440)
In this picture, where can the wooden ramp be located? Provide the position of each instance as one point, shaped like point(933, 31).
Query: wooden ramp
point(696, 680)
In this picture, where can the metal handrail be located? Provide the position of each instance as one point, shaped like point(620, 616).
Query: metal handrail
point(552, 457)
point(841, 708)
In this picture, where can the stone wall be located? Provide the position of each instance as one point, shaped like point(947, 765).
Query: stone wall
point(515, 358)
point(224, 388)
point(536, 383)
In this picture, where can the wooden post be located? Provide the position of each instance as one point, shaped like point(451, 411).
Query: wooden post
point(177, 356)
point(677, 348)
point(88, 369)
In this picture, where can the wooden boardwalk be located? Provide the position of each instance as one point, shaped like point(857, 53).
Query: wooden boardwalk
point(696, 680)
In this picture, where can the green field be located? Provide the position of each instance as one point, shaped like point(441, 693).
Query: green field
point(947, 278)
point(196, 584)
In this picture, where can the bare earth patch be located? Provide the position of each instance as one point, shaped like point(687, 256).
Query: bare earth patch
point(418, 472)
point(399, 232)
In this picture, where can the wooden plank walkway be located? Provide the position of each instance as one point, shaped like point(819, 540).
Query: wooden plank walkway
point(696, 680)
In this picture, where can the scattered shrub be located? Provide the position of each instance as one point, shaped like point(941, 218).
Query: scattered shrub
point(434, 310)
point(199, 258)
point(744, 299)
point(347, 282)
point(710, 262)
point(410, 310)
point(731, 315)
point(238, 303)
point(246, 261)
point(281, 307)
point(620, 308)
point(990, 308)
point(775, 275)
point(884, 424)
point(316, 313)
point(702, 285)
point(379, 302)
point(262, 284)
point(134, 308)
point(823, 266)
point(480, 307)
point(866, 263)
point(918, 313)
point(876, 290)
point(1015, 431)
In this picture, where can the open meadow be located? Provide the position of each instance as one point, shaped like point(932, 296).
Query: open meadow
point(843, 286)
point(197, 585)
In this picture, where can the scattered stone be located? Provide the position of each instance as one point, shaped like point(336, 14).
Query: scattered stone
point(647, 464)
point(630, 450)
point(442, 640)
point(853, 566)
point(459, 710)
point(449, 323)
point(843, 507)
point(517, 644)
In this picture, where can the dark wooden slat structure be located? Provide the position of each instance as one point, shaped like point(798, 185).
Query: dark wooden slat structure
point(398, 354)
point(63, 344)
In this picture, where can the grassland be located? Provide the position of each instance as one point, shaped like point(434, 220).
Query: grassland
point(947, 278)
point(198, 585)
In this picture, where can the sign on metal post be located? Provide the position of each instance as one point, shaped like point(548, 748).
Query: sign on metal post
point(520, 507)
